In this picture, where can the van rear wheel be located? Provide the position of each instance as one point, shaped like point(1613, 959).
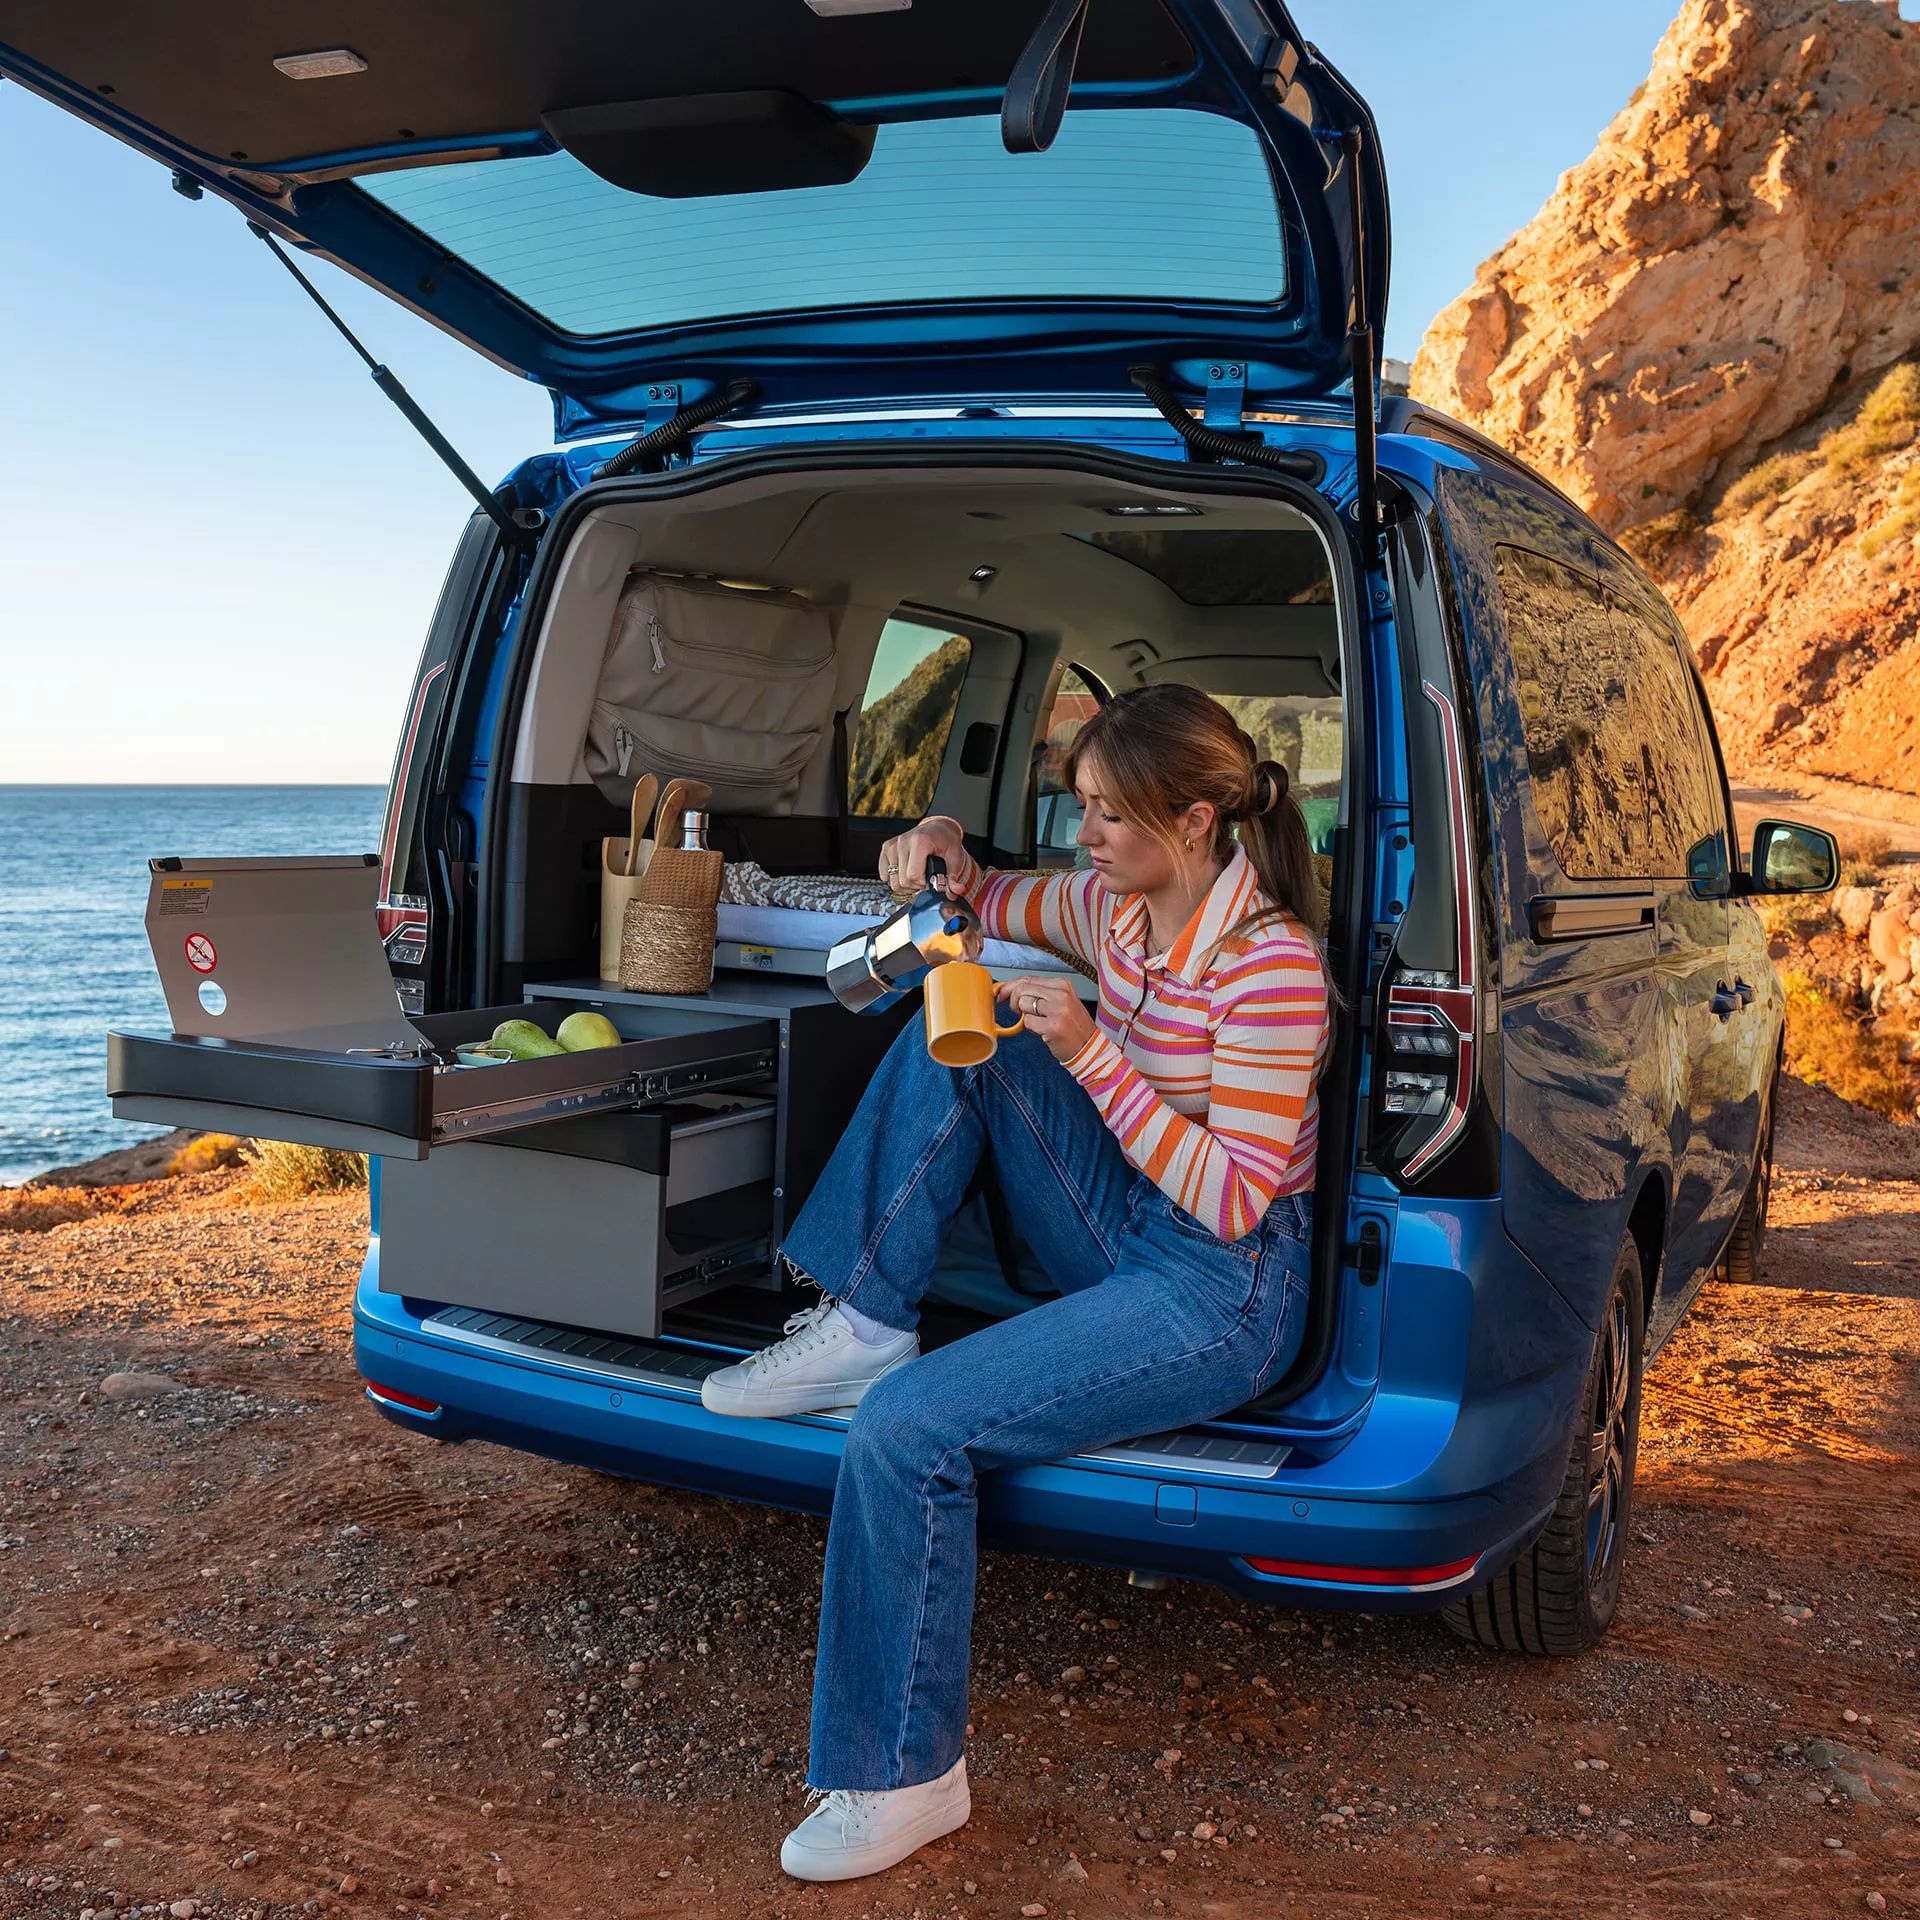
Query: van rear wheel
point(1559, 1596)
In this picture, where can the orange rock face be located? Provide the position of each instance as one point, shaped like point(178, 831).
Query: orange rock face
point(1740, 242)
point(1700, 336)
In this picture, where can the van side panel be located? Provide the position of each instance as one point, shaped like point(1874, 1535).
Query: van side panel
point(1591, 1064)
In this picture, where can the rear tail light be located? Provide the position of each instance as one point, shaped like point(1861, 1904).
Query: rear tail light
point(1436, 1576)
point(394, 1397)
point(1432, 1014)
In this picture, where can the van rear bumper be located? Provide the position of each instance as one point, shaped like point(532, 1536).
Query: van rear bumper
point(1353, 1535)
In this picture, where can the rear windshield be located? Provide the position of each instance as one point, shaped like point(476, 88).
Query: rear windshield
point(1129, 203)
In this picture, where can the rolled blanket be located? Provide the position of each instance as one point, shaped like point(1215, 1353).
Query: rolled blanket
point(748, 884)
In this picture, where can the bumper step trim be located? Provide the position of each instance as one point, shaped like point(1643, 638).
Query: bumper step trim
point(655, 1363)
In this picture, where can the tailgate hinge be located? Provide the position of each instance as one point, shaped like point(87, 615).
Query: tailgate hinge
point(1226, 394)
point(663, 402)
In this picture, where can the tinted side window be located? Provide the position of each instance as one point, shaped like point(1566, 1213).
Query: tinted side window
point(1612, 749)
point(900, 736)
point(1679, 791)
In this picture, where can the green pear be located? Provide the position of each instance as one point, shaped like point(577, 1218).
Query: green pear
point(525, 1041)
point(579, 1031)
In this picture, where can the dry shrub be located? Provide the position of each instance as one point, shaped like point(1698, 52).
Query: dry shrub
point(1887, 420)
point(1862, 855)
point(1657, 543)
point(284, 1170)
point(204, 1154)
point(1795, 916)
point(35, 1209)
point(1768, 481)
point(1902, 518)
point(1829, 1046)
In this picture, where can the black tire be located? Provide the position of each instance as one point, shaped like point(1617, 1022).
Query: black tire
point(1748, 1243)
point(1559, 1596)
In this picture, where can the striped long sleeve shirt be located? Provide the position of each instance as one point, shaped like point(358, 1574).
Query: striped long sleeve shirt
point(1205, 1059)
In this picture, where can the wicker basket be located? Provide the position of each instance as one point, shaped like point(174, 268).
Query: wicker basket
point(667, 949)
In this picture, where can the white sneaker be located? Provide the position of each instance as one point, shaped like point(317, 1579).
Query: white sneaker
point(856, 1831)
point(822, 1363)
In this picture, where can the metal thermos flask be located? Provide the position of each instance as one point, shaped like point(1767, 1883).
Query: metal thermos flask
point(693, 830)
point(872, 969)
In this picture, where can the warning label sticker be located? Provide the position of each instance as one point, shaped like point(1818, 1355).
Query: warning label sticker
point(185, 896)
point(200, 954)
point(761, 957)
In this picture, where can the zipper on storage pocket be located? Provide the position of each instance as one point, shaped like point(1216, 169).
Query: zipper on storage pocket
point(671, 763)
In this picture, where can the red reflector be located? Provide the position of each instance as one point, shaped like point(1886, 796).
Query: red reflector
point(400, 1399)
point(1366, 1576)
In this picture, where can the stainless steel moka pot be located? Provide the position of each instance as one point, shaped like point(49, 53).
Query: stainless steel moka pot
point(874, 968)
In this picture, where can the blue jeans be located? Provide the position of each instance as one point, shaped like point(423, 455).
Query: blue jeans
point(1160, 1323)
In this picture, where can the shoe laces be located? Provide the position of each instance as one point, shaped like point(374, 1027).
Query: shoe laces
point(852, 1805)
point(804, 1332)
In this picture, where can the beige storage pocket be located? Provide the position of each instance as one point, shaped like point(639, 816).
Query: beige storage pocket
point(727, 684)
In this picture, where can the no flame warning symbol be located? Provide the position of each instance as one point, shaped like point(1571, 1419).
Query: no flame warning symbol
point(200, 954)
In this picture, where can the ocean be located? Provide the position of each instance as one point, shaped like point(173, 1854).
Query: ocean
point(73, 949)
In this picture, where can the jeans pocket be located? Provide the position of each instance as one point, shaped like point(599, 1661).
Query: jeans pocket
point(1291, 1215)
point(1182, 1222)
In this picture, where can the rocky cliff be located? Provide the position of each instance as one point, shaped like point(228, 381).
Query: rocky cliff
point(1704, 337)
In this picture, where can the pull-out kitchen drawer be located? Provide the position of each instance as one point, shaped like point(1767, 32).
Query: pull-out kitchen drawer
point(373, 1103)
point(286, 1026)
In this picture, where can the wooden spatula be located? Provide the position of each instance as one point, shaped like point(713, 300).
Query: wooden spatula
point(644, 790)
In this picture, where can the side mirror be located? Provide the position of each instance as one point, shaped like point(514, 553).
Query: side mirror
point(1791, 858)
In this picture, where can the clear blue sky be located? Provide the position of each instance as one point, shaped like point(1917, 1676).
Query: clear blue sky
point(218, 544)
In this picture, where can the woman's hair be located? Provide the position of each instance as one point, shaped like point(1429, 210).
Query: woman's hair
point(1160, 749)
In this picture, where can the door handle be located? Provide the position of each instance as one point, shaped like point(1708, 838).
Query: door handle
point(1744, 991)
point(1725, 1000)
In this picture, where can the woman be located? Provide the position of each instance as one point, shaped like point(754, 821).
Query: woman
point(1160, 1162)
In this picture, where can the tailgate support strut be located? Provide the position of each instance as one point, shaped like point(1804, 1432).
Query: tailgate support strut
point(518, 537)
point(1360, 359)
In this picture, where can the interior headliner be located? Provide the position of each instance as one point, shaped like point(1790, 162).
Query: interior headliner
point(204, 72)
point(866, 545)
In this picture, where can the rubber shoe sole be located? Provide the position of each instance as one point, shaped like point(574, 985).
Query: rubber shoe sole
point(819, 1396)
point(853, 1863)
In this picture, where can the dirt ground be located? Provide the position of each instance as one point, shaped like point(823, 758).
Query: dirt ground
point(263, 1654)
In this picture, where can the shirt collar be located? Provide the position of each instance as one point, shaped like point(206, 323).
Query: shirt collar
point(1235, 893)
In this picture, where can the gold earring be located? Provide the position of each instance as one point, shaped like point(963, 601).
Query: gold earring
point(1189, 846)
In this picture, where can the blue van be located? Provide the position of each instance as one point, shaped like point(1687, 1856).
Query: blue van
point(922, 374)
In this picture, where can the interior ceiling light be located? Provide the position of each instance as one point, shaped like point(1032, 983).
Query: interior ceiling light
point(983, 574)
point(1156, 510)
point(324, 65)
point(831, 9)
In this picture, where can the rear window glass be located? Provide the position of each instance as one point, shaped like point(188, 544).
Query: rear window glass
point(1151, 204)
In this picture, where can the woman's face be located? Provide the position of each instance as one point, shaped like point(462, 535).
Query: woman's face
point(1127, 860)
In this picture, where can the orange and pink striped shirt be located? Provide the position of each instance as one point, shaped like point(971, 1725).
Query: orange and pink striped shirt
point(1204, 1060)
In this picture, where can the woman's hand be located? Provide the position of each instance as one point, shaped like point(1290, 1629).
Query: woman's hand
point(903, 859)
point(1049, 1006)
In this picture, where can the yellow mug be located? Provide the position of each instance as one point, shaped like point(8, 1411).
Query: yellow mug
point(961, 1029)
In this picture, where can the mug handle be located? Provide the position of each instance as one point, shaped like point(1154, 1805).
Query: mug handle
point(1019, 1026)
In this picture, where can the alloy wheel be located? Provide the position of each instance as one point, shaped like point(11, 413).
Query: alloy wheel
point(1607, 1447)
